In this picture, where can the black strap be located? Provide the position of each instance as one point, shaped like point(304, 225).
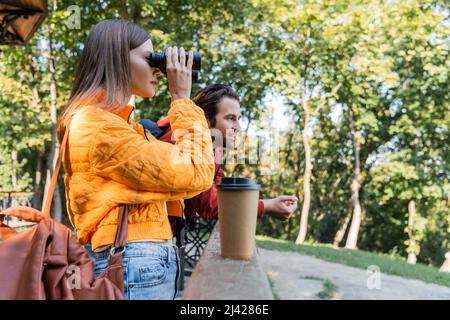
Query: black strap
point(180, 231)
point(122, 227)
point(153, 127)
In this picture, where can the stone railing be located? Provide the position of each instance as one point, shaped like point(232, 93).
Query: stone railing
point(10, 199)
point(225, 279)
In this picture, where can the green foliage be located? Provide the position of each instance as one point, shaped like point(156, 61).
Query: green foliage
point(391, 61)
point(384, 65)
point(329, 288)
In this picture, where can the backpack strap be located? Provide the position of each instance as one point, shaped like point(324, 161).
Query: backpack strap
point(153, 127)
point(122, 230)
point(51, 190)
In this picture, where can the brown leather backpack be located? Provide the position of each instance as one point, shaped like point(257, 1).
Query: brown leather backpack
point(46, 262)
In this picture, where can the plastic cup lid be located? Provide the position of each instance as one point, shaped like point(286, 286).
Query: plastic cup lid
point(238, 183)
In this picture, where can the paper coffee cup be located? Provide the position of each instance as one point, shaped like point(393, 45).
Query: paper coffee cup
point(238, 209)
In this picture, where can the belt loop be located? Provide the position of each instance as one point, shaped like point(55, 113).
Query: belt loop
point(169, 254)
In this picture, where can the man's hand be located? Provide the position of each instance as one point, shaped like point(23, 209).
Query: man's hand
point(280, 207)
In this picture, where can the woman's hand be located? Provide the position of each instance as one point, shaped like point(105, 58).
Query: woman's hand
point(179, 74)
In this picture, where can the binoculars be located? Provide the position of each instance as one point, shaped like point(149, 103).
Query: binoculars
point(158, 60)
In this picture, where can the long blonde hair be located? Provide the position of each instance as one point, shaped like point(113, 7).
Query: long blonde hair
point(104, 67)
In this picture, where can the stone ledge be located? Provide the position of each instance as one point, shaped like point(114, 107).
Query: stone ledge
point(217, 278)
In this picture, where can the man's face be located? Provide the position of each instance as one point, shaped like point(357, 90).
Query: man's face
point(227, 121)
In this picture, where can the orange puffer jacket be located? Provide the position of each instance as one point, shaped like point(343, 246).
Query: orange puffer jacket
point(112, 160)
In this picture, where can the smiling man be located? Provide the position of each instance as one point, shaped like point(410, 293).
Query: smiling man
point(221, 105)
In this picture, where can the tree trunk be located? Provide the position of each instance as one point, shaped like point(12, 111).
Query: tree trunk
point(352, 237)
point(341, 232)
point(306, 178)
point(14, 169)
point(137, 13)
point(37, 182)
point(123, 10)
point(446, 265)
point(54, 150)
point(286, 159)
point(412, 259)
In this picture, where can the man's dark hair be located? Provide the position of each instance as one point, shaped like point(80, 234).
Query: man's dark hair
point(209, 97)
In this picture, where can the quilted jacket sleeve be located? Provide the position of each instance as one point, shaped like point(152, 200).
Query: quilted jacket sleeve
point(119, 153)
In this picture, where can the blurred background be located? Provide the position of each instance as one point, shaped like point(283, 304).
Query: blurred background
point(357, 91)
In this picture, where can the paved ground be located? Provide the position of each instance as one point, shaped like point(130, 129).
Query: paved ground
point(302, 277)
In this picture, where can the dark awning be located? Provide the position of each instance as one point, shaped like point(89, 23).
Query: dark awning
point(19, 19)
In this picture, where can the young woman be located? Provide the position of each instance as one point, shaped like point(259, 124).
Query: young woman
point(110, 160)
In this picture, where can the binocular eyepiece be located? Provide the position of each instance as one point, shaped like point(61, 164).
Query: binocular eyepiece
point(158, 60)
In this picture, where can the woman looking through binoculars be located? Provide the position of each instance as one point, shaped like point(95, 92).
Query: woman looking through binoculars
point(110, 161)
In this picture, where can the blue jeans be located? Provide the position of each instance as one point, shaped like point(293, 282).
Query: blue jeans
point(151, 270)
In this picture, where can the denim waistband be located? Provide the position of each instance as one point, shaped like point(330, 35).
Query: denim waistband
point(140, 248)
point(166, 243)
